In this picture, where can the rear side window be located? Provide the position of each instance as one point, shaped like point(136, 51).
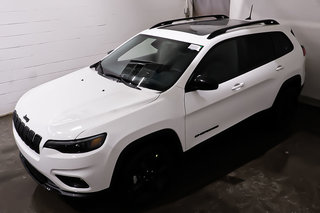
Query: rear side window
point(259, 49)
point(255, 50)
point(282, 44)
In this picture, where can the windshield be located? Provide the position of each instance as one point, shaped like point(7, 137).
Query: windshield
point(150, 62)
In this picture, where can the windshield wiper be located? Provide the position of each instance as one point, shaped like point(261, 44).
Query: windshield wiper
point(120, 79)
point(128, 83)
point(141, 61)
point(97, 66)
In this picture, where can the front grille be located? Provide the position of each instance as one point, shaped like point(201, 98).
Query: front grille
point(29, 137)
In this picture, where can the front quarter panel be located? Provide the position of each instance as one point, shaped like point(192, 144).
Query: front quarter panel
point(167, 112)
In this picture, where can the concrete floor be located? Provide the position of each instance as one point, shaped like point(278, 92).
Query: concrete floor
point(250, 168)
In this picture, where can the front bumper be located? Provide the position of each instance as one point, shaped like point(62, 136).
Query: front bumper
point(46, 183)
point(50, 165)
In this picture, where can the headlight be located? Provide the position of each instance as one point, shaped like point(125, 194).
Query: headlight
point(77, 146)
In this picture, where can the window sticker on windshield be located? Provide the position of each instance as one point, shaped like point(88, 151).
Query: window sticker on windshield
point(195, 47)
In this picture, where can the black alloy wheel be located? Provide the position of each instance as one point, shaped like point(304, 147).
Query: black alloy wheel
point(146, 173)
point(285, 106)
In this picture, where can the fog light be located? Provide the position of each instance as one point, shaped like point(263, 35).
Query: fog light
point(73, 181)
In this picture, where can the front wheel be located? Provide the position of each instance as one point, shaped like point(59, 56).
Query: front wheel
point(145, 173)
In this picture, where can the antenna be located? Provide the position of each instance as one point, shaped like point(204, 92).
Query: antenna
point(249, 18)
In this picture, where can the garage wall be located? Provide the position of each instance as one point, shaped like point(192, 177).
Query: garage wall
point(42, 40)
point(304, 19)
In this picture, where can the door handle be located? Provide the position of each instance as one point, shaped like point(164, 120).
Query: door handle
point(237, 86)
point(279, 68)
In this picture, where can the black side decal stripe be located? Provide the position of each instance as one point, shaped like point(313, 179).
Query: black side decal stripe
point(206, 131)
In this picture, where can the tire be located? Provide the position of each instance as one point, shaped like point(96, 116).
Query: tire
point(285, 106)
point(145, 173)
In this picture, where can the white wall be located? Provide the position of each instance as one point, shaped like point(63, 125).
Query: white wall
point(41, 40)
point(304, 19)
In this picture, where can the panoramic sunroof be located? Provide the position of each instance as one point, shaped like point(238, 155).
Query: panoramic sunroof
point(203, 27)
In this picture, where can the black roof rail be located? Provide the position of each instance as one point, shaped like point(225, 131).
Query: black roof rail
point(223, 30)
point(190, 18)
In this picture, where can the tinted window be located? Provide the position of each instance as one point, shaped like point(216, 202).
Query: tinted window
point(255, 50)
point(221, 62)
point(239, 55)
point(282, 44)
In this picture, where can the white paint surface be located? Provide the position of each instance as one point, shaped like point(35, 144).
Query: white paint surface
point(42, 40)
point(304, 19)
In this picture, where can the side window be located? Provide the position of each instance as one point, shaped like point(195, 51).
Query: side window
point(221, 62)
point(282, 44)
point(255, 50)
point(236, 56)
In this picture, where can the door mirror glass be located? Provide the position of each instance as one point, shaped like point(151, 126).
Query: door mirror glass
point(202, 82)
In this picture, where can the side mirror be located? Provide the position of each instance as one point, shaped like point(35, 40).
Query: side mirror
point(202, 82)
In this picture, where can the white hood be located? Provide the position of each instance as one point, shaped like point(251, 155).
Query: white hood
point(65, 107)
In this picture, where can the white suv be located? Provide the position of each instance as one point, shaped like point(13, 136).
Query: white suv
point(121, 121)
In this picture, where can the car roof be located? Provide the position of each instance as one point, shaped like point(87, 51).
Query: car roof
point(210, 26)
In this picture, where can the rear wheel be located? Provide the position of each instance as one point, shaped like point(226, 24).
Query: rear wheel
point(285, 106)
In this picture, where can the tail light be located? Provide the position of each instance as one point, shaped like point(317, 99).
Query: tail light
point(304, 50)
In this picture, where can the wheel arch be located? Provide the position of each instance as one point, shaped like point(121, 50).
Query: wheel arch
point(295, 82)
point(165, 137)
